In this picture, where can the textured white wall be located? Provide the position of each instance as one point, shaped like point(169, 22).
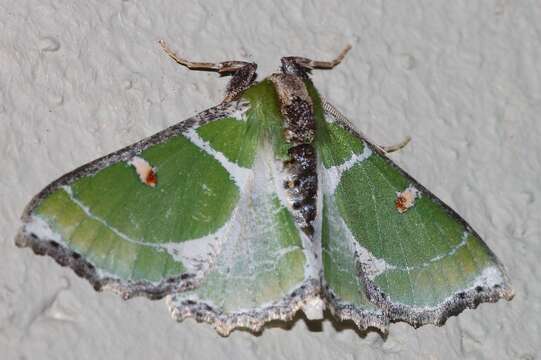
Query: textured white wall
point(79, 79)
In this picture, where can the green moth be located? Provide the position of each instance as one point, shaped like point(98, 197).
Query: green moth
point(263, 205)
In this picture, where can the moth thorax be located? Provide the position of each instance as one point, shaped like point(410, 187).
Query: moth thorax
point(296, 108)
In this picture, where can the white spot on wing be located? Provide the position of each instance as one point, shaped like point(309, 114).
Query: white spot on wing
point(147, 174)
point(240, 112)
point(313, 308)
point(41, 229)
point(489, 277)
point(372, 266)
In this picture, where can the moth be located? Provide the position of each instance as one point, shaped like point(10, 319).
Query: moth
point(264, 205)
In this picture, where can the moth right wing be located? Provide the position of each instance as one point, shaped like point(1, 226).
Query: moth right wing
point(392, 251)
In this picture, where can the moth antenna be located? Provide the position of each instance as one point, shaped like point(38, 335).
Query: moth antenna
point(192, 65)
point(244, 73)
point(330, 109)
point(334, 62)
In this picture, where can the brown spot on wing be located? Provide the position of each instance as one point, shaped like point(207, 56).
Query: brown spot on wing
point(406, 199)
point(151, 179)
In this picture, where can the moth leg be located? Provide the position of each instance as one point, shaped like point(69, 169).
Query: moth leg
point(296, 65)
point(243, 73)
point(330, 109)
point(395, 147)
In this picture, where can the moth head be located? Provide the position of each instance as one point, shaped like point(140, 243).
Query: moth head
point(296, 65)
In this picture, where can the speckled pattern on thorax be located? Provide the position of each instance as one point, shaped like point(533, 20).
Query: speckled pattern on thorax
point(299, 125)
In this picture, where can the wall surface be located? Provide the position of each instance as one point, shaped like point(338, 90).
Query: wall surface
point(79, 79)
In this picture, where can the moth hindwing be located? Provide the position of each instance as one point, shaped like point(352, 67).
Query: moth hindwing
point(264, 205)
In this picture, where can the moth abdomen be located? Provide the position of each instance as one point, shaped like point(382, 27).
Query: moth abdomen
point(301, 185)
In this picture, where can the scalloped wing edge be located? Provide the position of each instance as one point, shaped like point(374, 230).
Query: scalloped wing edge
point(302, 298)
point(481, 292)
point(100, 281)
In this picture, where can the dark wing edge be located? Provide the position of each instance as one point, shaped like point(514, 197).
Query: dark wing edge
point(364, 319)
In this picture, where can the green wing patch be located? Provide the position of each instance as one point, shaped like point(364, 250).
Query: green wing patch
point(237, 140)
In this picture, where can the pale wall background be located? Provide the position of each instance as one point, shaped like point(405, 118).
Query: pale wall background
point(79, 79)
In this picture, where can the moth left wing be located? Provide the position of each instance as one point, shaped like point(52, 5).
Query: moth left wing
point(193, 213)
point(126, 221)
point(392, 251)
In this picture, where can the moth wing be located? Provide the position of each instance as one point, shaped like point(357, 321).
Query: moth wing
point(208, 230)
point(390, 243)
point(123, 221)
